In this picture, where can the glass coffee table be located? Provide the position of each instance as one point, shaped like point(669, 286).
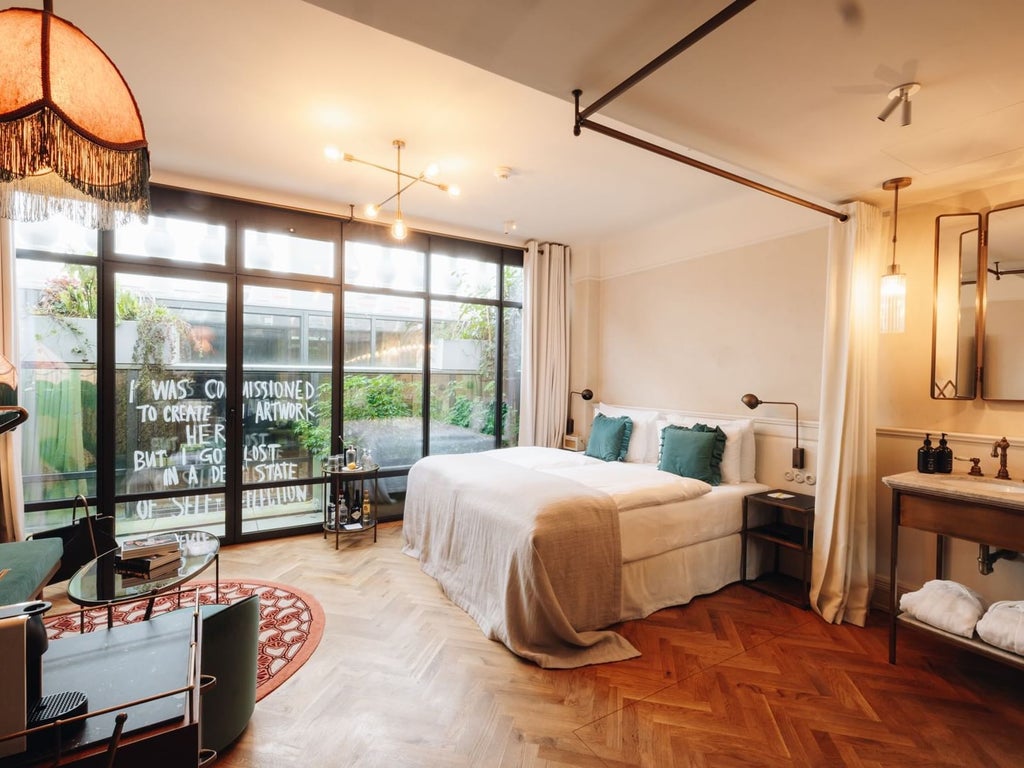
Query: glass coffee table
point(97, 584)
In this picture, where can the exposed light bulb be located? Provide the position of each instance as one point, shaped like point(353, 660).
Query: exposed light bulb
point(371, 211)
point(453, 190)
point(431, 171)
point(332, 153)
point(399, 230)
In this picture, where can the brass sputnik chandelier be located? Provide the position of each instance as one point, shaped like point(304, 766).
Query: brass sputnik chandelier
point(403, 181)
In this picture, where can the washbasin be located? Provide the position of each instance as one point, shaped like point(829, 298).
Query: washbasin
point(984, 484)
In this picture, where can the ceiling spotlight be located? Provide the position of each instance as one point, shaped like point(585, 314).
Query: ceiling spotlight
point(510, 226)
point(502, 173)
point(900, 95)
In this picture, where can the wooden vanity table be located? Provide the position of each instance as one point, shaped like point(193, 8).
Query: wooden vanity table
point(978, 509)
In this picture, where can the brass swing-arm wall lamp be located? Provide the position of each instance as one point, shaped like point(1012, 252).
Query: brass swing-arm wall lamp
point(584, 394)
point(403, 181)
point(752, 401)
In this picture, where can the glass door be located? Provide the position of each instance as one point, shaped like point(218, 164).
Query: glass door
point(287, 404)
point(171, 429)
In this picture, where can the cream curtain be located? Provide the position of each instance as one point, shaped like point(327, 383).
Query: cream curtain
point(12, 517)
point(843, 560)
point(545, 377)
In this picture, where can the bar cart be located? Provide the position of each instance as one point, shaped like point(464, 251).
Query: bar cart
point(350, 497)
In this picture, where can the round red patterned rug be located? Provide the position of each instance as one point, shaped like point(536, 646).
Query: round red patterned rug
point(291, 623)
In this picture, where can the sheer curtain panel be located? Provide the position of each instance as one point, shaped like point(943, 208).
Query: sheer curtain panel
point(11, 510)
point(545, 381)
point(843, 561)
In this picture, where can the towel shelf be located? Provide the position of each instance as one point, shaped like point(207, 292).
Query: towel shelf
point(928, 503)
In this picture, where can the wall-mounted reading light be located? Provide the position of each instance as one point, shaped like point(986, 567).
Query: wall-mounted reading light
point(585, 394)
point(752, 401)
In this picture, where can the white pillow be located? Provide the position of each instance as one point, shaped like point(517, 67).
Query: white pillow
point(736, 435)
point(1003, 626)
point(643, 443)
point(946, 605)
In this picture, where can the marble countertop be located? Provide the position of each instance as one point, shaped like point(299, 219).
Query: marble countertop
point(962, 487)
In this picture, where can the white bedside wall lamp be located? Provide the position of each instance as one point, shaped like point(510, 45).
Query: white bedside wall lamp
point(752, 401)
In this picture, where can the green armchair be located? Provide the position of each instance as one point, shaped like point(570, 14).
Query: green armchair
point(230, 642)
point(229, 648)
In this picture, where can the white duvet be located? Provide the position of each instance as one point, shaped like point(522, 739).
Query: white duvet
point(634, 485)
point(629, 485)
point(527, 541)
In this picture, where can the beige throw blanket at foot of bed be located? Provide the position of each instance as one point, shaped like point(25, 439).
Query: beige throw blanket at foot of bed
point(534, 558)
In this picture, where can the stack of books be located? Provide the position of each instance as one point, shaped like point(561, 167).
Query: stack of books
point(148, 559)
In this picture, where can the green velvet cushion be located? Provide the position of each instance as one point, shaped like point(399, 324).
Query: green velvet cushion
point(609, 437)
point(688, 453)
point(717, 453)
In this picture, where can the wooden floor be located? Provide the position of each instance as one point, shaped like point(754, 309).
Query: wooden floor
point(404, 678)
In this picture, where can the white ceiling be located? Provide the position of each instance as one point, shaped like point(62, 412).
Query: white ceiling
point(241, 97)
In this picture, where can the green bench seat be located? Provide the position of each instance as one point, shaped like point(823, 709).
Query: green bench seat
point(32, 563)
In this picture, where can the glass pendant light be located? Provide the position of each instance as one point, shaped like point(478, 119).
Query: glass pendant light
point(893, 298)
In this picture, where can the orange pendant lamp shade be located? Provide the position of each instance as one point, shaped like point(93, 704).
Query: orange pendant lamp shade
point(71, 137)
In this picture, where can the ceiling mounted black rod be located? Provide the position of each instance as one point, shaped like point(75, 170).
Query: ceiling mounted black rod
point(698, 34)
point(679, 158)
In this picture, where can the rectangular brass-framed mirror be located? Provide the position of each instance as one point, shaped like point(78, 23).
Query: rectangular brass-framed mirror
point(956, 321)
point(1002, 316)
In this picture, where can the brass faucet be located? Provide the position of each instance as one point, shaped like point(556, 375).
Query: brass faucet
point(999, 448)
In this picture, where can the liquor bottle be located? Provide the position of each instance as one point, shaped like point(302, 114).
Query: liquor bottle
point(366, 509)
point(341, 507)
point(357, 506)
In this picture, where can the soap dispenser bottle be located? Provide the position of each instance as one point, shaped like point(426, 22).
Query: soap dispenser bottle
point(926, 456)
point(943, 456)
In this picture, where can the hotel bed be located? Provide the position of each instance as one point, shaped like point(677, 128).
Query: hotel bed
point(547, 548)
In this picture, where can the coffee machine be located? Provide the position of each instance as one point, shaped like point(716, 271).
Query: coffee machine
point(22, 632)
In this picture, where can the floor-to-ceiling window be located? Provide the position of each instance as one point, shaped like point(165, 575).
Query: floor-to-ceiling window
point(194, 371)
point(430, 327)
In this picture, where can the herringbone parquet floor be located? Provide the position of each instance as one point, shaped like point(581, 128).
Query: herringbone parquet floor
point(404, 678)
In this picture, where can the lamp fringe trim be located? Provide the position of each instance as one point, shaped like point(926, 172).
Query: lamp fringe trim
point(47, 167)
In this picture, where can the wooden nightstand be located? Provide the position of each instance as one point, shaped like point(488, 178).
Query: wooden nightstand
point(791, 527)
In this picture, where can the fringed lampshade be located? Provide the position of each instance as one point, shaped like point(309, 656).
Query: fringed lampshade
point(71, 137)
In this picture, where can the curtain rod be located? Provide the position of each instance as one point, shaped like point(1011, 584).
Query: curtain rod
point(583, 115)
point(699, 33)
point(680, 158)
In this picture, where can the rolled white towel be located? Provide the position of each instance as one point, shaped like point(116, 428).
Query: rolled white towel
point(1003, 625)
point(947, 605)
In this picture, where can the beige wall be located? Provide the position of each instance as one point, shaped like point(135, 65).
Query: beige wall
point(696, 334)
